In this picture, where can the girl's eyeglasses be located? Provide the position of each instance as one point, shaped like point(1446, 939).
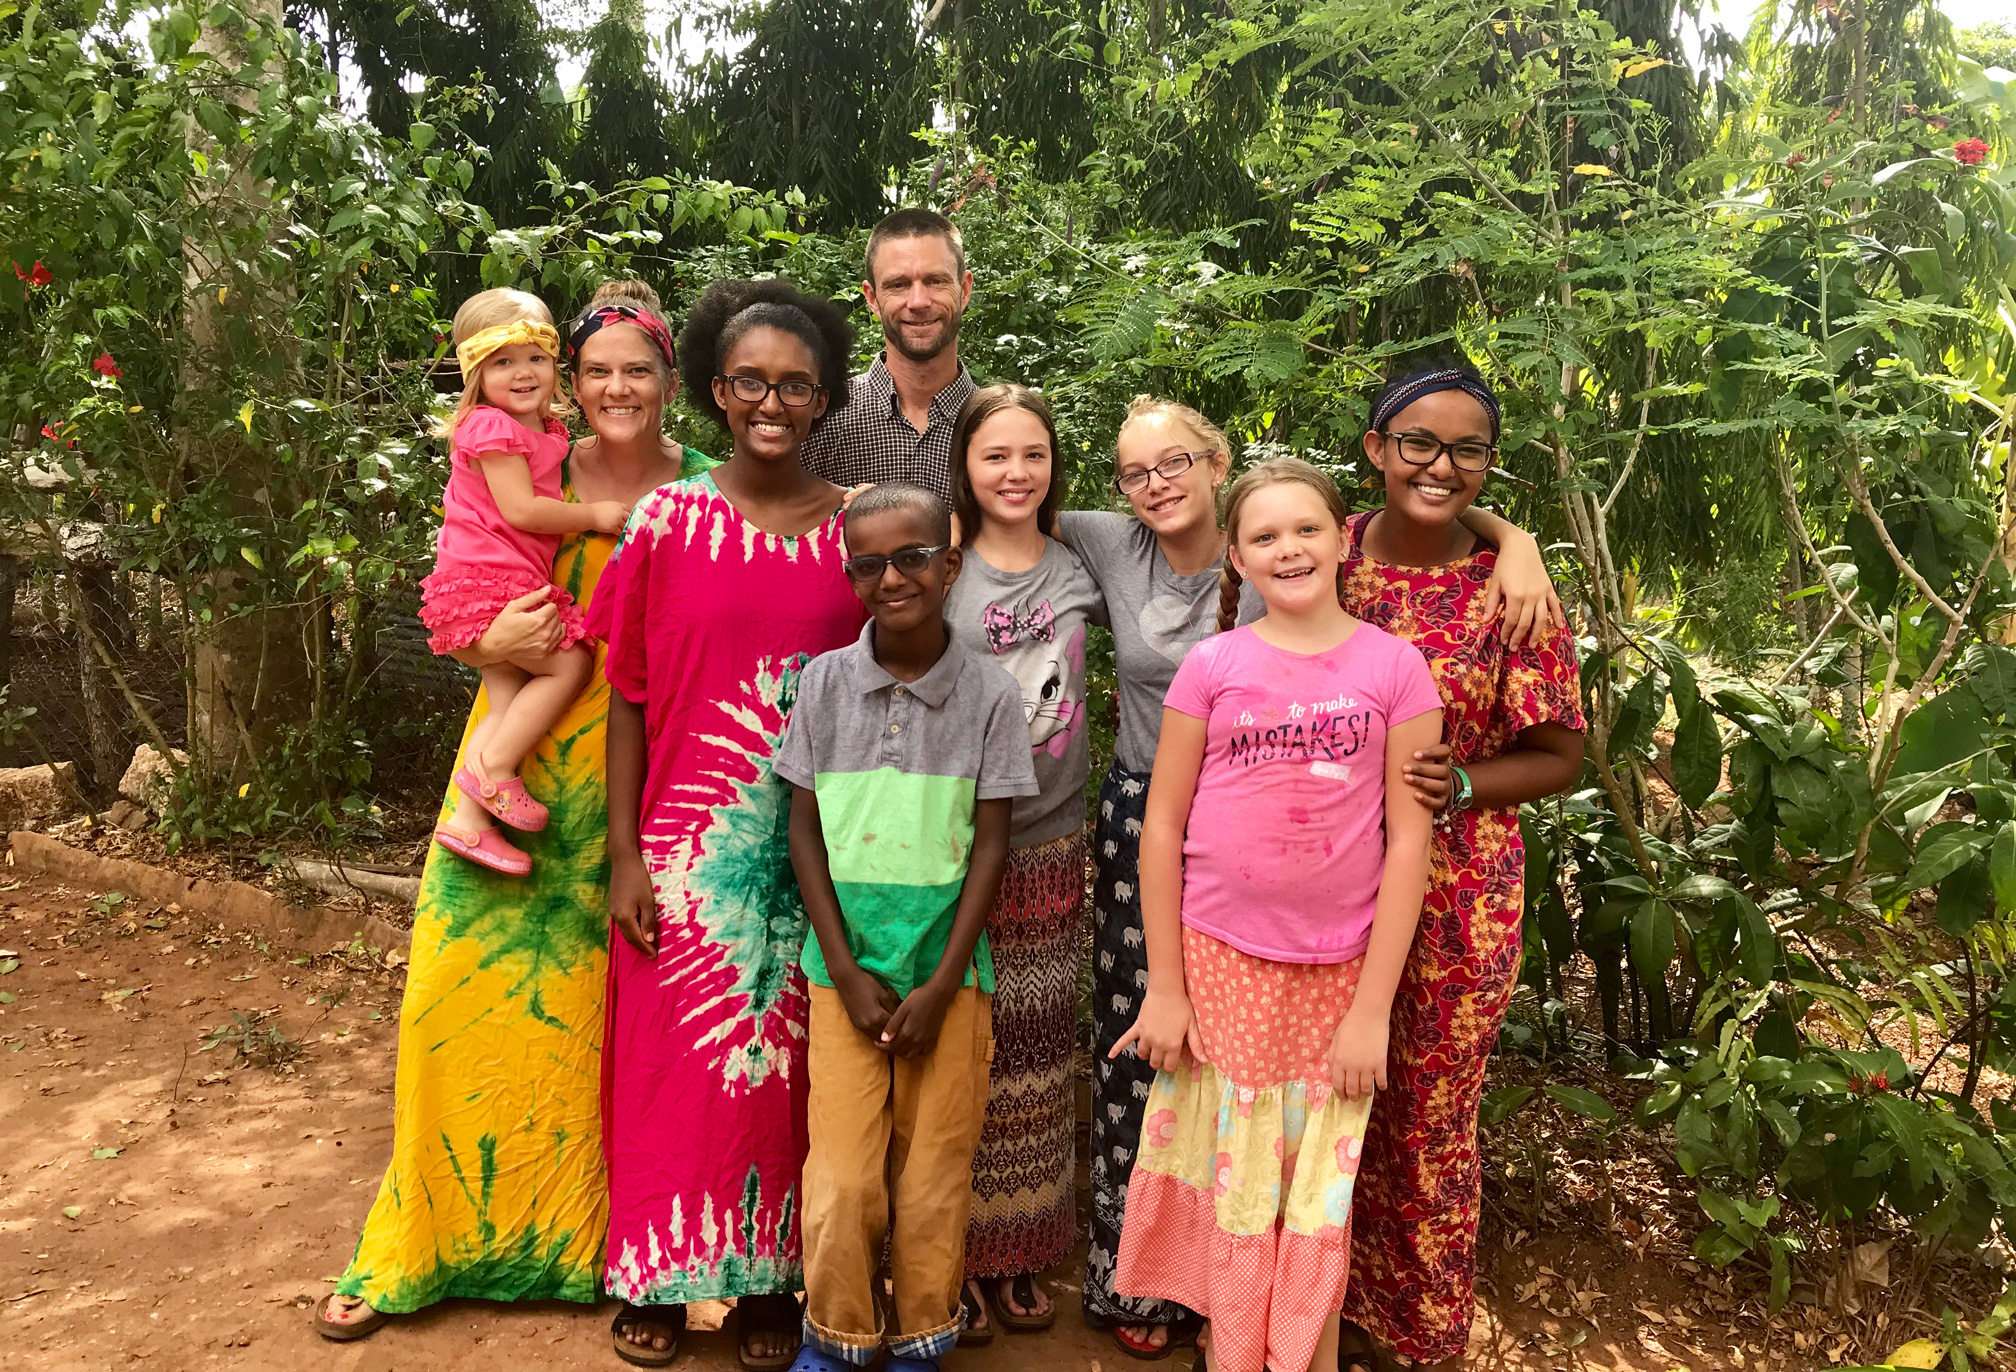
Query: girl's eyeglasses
point(1169, 468)
point(754, 390)
point(909, 561)
point(1421, 450)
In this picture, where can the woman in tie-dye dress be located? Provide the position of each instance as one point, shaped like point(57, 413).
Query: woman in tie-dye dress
point(724, 588)
point(495, 1185)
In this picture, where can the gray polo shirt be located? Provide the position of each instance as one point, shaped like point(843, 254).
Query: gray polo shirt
point(897, 768)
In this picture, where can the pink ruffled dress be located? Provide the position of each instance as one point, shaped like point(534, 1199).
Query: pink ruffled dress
point(482, 563)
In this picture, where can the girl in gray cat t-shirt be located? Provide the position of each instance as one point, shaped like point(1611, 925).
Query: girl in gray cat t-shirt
point(1024, 601)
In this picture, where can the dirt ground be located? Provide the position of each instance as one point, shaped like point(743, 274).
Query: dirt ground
point(163, 1206)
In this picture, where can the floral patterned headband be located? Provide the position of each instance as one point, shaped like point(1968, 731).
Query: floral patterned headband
point(603, 316)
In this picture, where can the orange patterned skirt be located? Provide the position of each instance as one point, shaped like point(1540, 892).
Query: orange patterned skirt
point(1239, 1205)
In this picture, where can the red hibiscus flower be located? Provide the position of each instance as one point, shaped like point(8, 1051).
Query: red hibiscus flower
point(1970, 151)
point(37, 275)
point(105, 366)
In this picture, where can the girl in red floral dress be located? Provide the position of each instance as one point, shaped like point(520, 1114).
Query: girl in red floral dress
point(1512, 733)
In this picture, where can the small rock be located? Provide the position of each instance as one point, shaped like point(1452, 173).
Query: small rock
point(37, 793)
point(149, 777)
point(124, 814)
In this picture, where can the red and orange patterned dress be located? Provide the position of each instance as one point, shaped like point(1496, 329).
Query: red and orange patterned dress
point(1414, 1218)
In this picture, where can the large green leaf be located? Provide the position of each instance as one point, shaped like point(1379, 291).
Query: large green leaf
point(1585, 1103)
point(1652, 940)
point(1942, 731)
point(1498, 1105)
point(1943, 851)
point(1963, 899)
point(2002, 867)
point(1697, 756)
point(1756, 943)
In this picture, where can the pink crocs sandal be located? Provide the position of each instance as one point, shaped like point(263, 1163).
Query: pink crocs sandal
point(486, 849)
point(508, 800)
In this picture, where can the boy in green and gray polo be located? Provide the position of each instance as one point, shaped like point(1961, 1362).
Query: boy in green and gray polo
point(896, 769)
point(897, 781)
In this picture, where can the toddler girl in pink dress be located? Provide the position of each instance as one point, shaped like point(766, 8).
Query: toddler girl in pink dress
point(503, 518)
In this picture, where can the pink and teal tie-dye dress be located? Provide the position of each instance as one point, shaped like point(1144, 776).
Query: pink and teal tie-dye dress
point(709, 621)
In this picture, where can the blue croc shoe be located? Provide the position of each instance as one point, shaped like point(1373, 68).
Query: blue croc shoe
point(811, 1359)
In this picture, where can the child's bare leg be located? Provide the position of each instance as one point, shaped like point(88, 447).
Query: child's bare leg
point(1326, 1347)
point(501, 684)
point(554, 681)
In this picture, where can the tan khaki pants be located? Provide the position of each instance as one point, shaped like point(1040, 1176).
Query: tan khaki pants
point(892, 1154)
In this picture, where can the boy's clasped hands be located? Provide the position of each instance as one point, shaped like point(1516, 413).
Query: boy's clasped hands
point(906, 1026)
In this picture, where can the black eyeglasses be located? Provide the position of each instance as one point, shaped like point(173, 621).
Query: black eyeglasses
point(1169, 468)
point(1421, 450)
point(909, 561)
point(754, 390)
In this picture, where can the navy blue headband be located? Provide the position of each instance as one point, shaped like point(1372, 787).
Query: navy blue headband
point(1401, 394)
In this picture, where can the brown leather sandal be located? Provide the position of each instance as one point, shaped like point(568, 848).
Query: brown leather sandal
point(349, 1331)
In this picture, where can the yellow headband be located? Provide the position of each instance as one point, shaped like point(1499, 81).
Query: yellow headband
point(471, 351)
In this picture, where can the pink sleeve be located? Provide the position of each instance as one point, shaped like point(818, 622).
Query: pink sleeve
point(487, 429)
point(616, 614)
point(1196, 679)
point(1413, 690)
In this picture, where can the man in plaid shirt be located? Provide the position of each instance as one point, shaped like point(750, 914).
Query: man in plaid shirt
point(897, 423)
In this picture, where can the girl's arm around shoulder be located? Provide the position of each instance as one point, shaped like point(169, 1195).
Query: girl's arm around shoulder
point(1520, 589)
point(1358, 1050)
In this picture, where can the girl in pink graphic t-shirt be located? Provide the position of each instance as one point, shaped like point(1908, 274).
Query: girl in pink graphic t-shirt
point(503, 517)
point(1279, 895)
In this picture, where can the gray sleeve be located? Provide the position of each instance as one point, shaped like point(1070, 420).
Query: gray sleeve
point(1005, 766)
point(1095, 535)
point(795, 761)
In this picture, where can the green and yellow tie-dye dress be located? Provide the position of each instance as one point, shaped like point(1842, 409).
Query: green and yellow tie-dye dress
point(496, 1186)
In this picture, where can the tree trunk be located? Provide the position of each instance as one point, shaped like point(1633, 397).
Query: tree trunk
point(95, 610)
point(10, 577)
point(249, 667)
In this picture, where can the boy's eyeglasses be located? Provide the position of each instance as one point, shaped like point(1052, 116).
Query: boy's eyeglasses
point(1421, 450)
point(1169, 468)
point(754, 390)
point(909, 561)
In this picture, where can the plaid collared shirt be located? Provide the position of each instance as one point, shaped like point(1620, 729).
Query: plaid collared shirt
point(868, 439)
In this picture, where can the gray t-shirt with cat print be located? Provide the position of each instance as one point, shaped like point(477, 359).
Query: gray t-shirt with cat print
point(1033, 624)
point(1157, 616)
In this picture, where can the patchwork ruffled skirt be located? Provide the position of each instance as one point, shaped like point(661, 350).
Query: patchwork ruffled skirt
point(1240, 1201)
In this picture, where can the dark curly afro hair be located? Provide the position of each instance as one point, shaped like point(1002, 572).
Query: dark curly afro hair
point(727, 310)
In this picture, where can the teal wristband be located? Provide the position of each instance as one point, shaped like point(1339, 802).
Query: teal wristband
point(1461, 800)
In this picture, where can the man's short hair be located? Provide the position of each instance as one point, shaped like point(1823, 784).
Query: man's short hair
point(890, 497)
point(917, 222)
